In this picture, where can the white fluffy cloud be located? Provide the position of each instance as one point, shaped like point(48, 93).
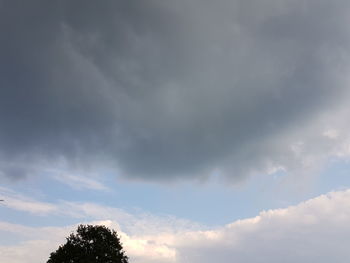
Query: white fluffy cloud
point(313, 231)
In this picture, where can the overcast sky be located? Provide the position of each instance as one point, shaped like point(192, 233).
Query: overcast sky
point(174, 121)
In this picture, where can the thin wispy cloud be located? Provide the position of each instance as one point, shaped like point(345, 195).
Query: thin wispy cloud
point(80, 182)
point(140, 222)
point(24, 203)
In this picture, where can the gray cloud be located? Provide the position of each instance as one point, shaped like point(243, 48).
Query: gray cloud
point(162, 89)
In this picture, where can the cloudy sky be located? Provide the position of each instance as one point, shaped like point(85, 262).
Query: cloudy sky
point(200, 130)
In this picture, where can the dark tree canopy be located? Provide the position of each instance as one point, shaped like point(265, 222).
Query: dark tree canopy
point(91, 244)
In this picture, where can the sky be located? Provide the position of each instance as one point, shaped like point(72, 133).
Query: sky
point(200, 130)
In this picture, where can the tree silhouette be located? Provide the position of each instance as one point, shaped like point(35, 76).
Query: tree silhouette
point(91, 244)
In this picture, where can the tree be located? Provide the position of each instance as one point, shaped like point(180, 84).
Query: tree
point(91, 244)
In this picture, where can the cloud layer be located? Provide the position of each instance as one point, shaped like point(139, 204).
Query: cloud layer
point(313, 231)
point(159, 90)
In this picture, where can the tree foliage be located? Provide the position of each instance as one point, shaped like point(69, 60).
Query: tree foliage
point(91, 244)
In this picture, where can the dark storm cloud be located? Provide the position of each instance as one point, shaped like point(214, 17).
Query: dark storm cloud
point(163, 89)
